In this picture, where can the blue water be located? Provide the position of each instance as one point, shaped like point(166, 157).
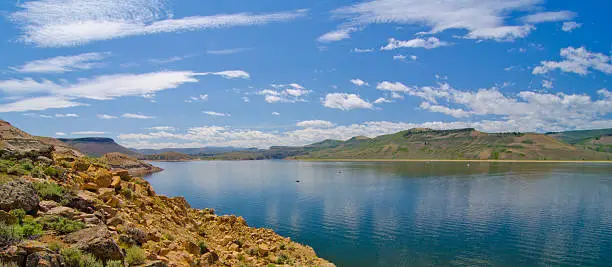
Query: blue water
point(415, 214)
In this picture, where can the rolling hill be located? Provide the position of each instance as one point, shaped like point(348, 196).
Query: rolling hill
point(435, 144)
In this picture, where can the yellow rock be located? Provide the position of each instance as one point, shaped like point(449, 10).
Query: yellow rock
point(116, 182)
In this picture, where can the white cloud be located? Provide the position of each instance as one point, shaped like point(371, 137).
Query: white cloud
point(359, 50)
point(39, 103)
point(577, 60)
point(217, 114)
point(100, 88)
point(166, 60)
point(106, 117)
point(429, 43)
point(393, 87)
point(227, 51)
point(60, 134)
point(315, 124)
point(285, 93)
point(530, 110)
point(63, 63)
point(547, 84)
point(382, 100)
point(45, 116)
point(549, 17)
point(359, 82)
point(337, 35)
point(136, 116)
point(345, 101)
point(399, 57)
point(224, 136)
point(67, 115)
point(246, 99)
point(570, 26)
point(163, 128)
point(58, 23)
point(275, 114)
point(482, 19)
point(200, 98)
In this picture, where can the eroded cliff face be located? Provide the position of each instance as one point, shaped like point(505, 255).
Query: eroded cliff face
point(75, 211)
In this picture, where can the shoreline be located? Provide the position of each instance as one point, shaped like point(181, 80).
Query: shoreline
point(456, 160)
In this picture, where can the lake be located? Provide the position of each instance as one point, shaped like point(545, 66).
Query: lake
point(414, 214)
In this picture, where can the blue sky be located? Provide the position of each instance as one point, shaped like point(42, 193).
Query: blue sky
point(190, 73)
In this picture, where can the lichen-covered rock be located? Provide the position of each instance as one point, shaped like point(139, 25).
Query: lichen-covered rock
point(19, 194)
point(83, 201)
point(44, 259)
point(97, 241)
point(103, 178)
point(46, 205)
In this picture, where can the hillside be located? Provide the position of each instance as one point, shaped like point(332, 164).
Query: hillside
point(97, 146)
point(596, 140)
point(168, 156)
point(200, 151)
point(77, 211)
point(435, 144)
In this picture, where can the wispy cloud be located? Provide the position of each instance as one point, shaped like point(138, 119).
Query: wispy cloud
point(359, 82)
point(106, 117)
point(67, 115)
point(63, 64)
point(429, 43)
point(315, 124)
point(217, 114)
point(39, 103)
point(227, 51)
point(285, 93)
point(58, 23)
point(549, 17)
point(570, 26)
point(136, 116)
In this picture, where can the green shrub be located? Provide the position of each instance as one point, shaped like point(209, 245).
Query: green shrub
point(203, 247)
point(134, 256)
point(19, 214)
point(30, 229)
point(114, 263)
point(8, 264)
point(51, 171)
point(38, 172)
point(88, 260)
point(72, 257)
point(26, 164)
point(61, 225)
point(50, 191)
point(282, 259)
point(16, 170)
point(8, 235)
point(5, 165)
point(127, 193)
point(55, 246)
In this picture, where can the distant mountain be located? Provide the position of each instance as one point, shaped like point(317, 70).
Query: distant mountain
point(200, 151)
point(434, 144)
point(168, 156)
point(97, 146)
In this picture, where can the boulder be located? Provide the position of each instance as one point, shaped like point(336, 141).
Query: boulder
point(81, 165)
point(46, 205)
point(97, 241)
point(103, 178)
point(44, 259)
point(116, 182)
point(65, 212)
point(83, 201)
point(90, 186)
point(123, 174)
point(192, 248)
point(19, 194)
point(106, 193)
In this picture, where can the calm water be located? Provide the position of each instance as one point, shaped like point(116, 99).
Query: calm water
point(415, 214)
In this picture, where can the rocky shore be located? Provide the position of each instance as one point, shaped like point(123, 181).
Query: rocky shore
point(58, 210)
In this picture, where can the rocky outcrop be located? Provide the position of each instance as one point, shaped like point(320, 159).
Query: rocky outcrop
point(134, 166)
point(97, 241)
point(19, 194)
point(15, 143)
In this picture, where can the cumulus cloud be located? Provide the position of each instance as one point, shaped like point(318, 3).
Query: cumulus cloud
point(136, 116)
point(393, 87)
point(345, 101)
point(483, 19)
point(547, 84)
point(63, 64)
point(533, 110)
point(217, 114)
point(60, 23)
point(570, 26)
point(359, 82)
point(577, 60)
point(382, 100)
point(336, 35)
point(429, 43)
point(315, 124)
point(285, 93)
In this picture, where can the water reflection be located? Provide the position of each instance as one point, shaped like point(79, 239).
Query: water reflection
point(420, 214)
